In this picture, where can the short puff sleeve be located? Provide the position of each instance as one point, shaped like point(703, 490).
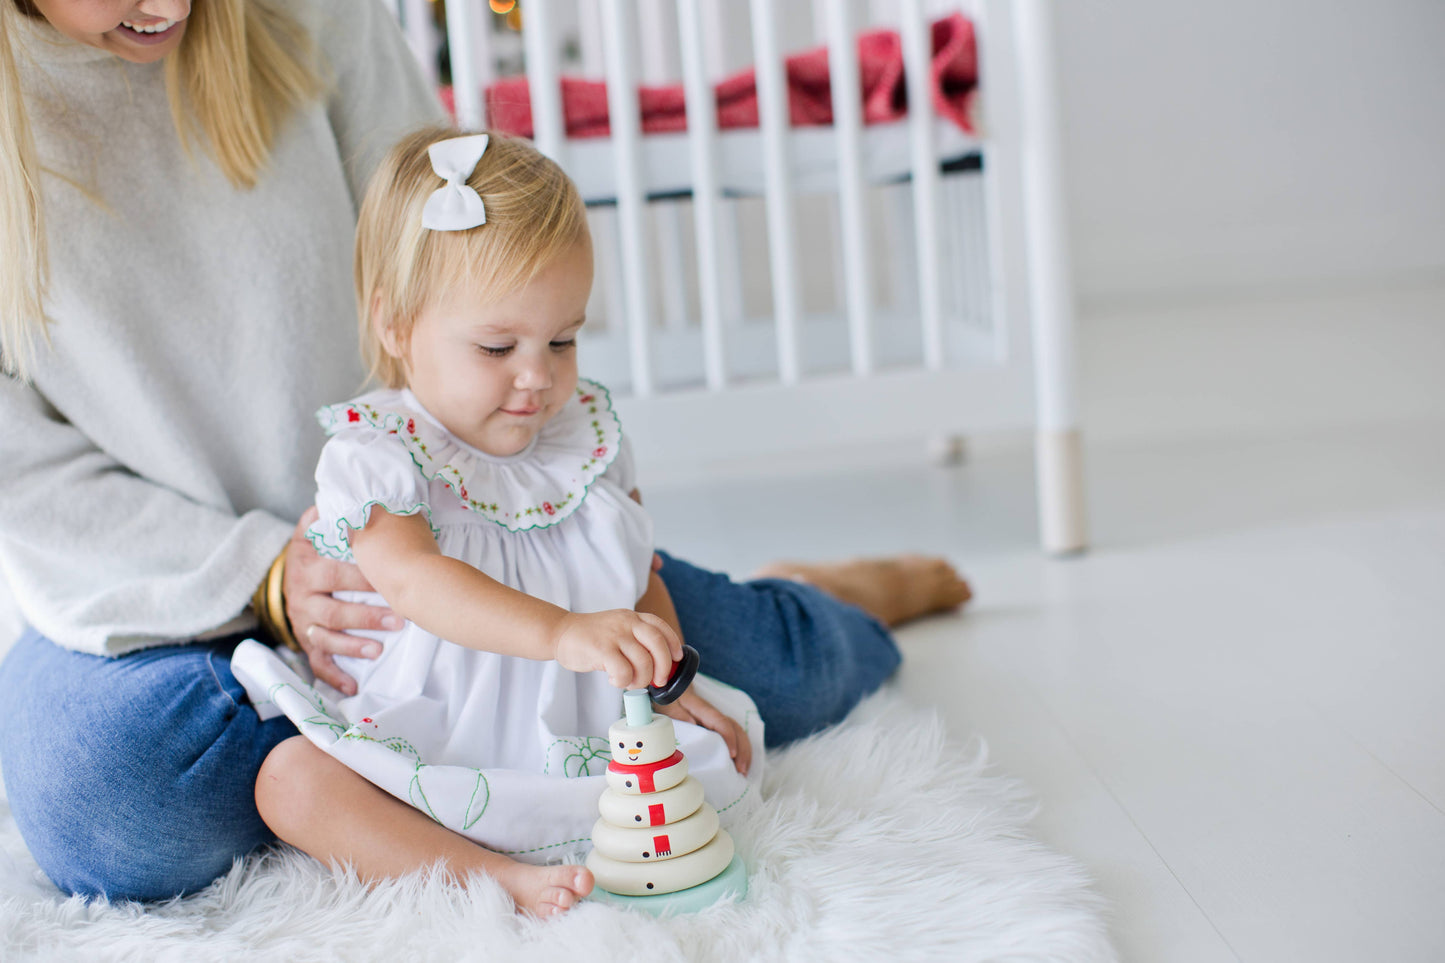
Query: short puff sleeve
point(359, 470)
point(623, 470)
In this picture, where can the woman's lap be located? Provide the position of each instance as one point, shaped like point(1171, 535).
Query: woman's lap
point(134, 777)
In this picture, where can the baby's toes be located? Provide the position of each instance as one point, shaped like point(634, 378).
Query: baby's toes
point(581, 880)
point(557, 899)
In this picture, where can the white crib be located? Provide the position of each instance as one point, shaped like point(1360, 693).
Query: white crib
point(944, 307)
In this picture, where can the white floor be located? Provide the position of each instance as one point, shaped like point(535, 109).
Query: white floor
point(1227, 708)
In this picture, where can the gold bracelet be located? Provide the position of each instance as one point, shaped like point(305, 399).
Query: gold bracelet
point(269, 603)
point(276, 600)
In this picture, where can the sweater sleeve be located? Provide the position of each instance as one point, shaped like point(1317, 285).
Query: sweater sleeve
point(377, 93)
point(104, 561)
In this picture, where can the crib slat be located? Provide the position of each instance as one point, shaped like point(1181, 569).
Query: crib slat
point(469, 49)
point(658, 64)
point(773, 121)
point(848, 127)
point(544, 79)
point(926, 194)
point(702, 146)
point(624, 117)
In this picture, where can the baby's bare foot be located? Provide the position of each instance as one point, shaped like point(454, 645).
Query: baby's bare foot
point(892, 590)
point(545, 890)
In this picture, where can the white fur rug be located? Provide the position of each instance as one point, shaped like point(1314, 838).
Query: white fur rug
point(878, 839)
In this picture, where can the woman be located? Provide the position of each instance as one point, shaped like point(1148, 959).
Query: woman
point(185, 223)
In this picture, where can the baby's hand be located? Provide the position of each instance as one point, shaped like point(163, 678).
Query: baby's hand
point(691, 707)
point(635, 649)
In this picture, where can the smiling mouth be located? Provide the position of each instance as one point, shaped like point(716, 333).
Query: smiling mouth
point(146, 32)
point(521, 412)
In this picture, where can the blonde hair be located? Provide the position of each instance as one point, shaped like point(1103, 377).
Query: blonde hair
point(534, 214)
point(241, 68)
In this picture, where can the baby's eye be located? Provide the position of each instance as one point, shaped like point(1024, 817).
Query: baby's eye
point(564, 345)
point(494, 352)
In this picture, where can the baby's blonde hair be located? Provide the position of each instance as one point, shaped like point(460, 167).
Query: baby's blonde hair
point(242, 67)
point(534, 214)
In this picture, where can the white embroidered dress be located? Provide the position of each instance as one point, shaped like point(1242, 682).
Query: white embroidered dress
point(505, 750)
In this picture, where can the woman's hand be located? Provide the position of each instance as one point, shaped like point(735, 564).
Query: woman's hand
point(320, 621)
point(691, 707)
point(635, 649)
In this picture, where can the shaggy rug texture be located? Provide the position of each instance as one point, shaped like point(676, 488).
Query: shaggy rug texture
point(878, 839)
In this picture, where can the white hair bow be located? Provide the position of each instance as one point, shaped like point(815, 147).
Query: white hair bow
point(455, 206)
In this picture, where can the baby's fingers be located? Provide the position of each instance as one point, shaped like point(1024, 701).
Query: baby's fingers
point(662, 642)
point(620, 670)
point(739, 748)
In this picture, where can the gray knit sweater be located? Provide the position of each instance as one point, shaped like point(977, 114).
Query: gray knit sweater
point(165, 449)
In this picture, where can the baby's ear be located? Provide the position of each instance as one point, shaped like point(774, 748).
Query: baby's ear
point(384, 330)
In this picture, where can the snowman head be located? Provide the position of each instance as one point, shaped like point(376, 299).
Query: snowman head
point(637, 745)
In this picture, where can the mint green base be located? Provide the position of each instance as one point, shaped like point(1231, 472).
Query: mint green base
point(732, 881)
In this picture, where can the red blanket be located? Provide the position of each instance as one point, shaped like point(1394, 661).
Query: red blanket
point(954, 77)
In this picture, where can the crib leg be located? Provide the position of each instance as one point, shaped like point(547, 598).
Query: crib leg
point(1051, 295)
point(1059, 461)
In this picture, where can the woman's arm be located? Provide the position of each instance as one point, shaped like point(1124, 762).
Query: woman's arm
point(379, 93)
point(457, 602)
point(105, 561)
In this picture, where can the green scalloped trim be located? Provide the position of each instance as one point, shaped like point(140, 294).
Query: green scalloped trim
point(342, 551)
point(550, 511)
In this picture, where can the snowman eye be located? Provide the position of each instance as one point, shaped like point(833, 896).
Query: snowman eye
point(622, 745)
point(639, 745)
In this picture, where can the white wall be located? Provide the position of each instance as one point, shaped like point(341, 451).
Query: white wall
point(1251, 144)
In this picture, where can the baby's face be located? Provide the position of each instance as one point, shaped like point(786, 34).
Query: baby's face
point(495, 372)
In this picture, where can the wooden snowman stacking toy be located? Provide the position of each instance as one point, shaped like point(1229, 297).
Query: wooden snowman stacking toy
point(657, 845)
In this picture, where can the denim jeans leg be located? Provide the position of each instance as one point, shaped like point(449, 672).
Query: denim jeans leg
point(805, 657)
point(132, 777)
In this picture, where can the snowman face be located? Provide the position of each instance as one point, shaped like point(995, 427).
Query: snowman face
point(640, 745)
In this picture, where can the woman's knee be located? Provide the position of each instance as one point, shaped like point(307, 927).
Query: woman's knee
point(132, 777)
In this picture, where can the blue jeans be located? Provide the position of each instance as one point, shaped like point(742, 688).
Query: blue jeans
point(133, 777)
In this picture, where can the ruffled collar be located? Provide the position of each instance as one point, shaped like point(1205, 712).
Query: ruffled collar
point(535, 488)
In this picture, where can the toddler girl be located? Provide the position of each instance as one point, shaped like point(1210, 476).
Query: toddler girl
point(488, 494)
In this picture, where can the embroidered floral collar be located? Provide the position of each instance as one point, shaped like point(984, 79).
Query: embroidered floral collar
point(536, 488)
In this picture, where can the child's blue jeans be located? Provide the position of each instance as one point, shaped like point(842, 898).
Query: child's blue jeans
point(134, 777)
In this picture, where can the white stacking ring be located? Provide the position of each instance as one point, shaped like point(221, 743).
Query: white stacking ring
point(652, 809)
point(655, 779)
point(666, 876)
point(652, 843)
